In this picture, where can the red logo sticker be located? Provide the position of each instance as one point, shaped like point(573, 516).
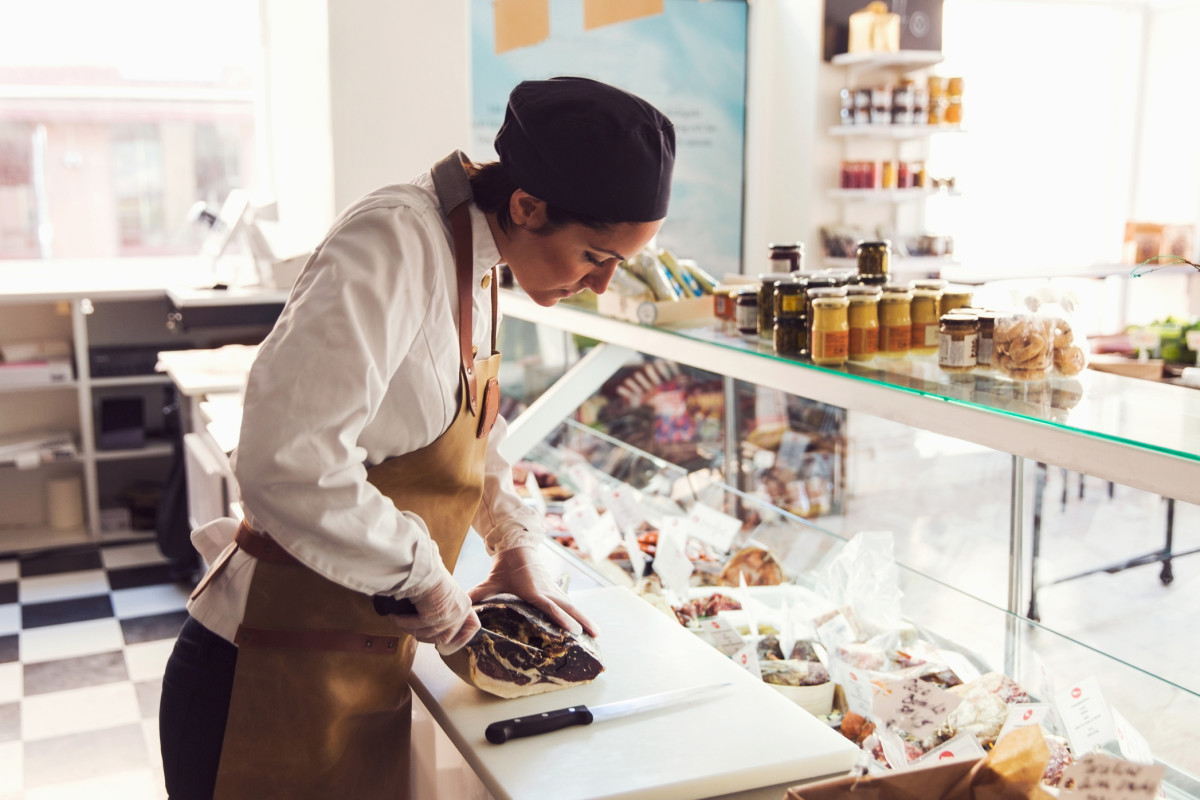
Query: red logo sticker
point(946, 754)
point(1028, 713)
point(1076, 692)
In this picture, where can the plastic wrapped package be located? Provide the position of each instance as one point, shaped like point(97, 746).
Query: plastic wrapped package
point(1023, 346)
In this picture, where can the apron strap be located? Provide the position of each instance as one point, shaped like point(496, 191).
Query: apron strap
point(454, 195)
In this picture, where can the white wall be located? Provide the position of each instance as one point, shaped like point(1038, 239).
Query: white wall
point(361, 93)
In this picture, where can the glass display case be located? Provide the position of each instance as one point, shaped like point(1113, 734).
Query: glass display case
point(986, 430)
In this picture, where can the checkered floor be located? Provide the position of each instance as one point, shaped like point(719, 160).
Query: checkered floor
point(84, 637)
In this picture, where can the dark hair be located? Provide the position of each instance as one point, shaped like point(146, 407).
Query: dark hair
point(492, 188)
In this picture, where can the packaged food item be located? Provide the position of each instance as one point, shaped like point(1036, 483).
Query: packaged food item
point(789, 334)
point(955, 296)
point(785, 257)
point(895, 321)
point(829, 329)
point(1024, 346)
point(958, 342)
point(923, 310)
point(746, 312)
point(873, 257)
point(863, 318)
point(766, 302)
point(987, 326)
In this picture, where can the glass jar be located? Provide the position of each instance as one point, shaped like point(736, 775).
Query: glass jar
point(895, 321)
point(724, 309)
point(874, 257)
point(766, 302)
point(818, 280)
point(785, 257)
point(863, 316)
point(790, 298)
point(746, 312)
point(958, 342)
point(986, 345)
point(789, 336)
point(955, 296)
point(829, 326)
point(926, 301)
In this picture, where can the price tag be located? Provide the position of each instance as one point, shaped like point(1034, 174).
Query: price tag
point(859, 691)
point(717, 632)
point(535, 493)
point(960, 665)
point(747, 658)
point(1143, 339)
point(580, 514)
point(603, 537)
point(583, 479)
point(963, 747)
point(916, 706)
point(1022, 715)
point(836, 631)
point(671, 562)
point(1085, 715)
point(637, 559)
point(713, 527)
point(1133, 745)
point(1100, 777)
point(622, 502)
point(792, 448)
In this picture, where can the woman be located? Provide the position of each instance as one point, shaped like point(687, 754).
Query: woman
point(369, 447)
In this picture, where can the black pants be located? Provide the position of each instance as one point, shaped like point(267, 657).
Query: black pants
point(196, 689)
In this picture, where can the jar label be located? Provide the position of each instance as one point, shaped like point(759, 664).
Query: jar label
point(924, 334)
point(830, 344)
point(894, 338)
point(791, 303)
point(954, 352)
point(986, 345)
point(747, 317)
point(864, 341)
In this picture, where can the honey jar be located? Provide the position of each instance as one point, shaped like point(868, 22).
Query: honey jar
point(955, 296)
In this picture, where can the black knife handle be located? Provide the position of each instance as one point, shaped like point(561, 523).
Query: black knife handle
point(500, 732)
point(385, 605)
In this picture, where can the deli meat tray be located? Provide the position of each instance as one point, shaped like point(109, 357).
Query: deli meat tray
point(741, 738)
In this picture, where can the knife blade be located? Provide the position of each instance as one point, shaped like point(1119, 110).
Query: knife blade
point(547, 721)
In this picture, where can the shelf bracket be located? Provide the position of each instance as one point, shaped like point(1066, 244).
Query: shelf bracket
point(568, 393)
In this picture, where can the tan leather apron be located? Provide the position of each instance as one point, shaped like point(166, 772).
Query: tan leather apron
point(321, 705)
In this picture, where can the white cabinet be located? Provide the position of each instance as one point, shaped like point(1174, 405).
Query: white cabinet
point(113, 409)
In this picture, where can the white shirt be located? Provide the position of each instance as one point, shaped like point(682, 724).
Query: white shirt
point(363, 364)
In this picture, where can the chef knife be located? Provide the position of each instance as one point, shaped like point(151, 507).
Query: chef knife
point(533, 724)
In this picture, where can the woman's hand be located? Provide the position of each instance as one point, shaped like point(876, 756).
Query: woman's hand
point(444, 615)
point(520, 571)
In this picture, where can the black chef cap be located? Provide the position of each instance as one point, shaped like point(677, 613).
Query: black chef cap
point(589, 148)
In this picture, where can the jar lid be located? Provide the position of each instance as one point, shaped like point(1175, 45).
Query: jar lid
point(883, 244)
point(747, 291)
point(793, 286)
point(862, 289)
point(774, 276)
point(871, 280)
point(956, 319)
point(931, 283)
point(786, 246)
point(897, 288)
point(817, 281)
point(827, 291)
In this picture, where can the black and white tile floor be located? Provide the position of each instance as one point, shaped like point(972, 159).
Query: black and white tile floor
point(84, 636)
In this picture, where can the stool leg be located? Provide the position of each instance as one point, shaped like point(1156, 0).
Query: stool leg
point(1167, 575)
point(1065, 476)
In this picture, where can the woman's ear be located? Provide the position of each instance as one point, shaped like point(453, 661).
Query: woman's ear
point(527, 211)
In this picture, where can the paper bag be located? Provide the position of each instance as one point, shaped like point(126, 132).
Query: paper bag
point(874, 29)
point(1012, 771)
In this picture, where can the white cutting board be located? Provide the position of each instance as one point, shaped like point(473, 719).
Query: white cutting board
point(743, 737)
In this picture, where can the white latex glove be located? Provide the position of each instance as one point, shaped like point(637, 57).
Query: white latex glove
point(520, 571)
point(444, 615)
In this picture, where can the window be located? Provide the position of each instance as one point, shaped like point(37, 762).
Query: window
point(113, 126)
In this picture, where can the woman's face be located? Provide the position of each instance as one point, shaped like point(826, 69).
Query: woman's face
point(552, 266)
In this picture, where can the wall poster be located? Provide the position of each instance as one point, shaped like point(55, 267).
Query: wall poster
point(687, 57)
